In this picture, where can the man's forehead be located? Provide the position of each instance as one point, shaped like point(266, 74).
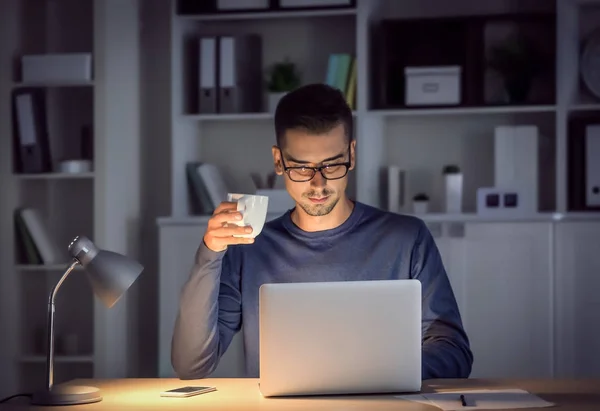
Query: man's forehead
point(314, 150)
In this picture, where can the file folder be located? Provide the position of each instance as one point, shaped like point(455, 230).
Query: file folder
point(592, 162)
point(31, 143)
point(240, 74)
point(208, 75)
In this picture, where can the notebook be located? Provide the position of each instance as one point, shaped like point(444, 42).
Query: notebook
point(480, 399)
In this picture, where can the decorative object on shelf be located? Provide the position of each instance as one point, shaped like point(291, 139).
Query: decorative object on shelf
point(283, 77)
point(56, 68)
point(453, 188)
point(110, 275)
point(75, 166)
point(518, 62)
point(397, 189)
point(500, 202)
point(590, 63)
point(432, 86)
point(420, 203)
point(516, 164)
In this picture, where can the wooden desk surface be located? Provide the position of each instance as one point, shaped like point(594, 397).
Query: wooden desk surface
point(243, 395)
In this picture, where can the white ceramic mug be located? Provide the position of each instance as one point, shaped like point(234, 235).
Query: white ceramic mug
point(254, 211)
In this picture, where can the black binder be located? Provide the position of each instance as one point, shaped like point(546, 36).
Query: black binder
point(30, 132)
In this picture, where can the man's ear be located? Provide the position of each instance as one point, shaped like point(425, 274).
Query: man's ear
point(352, 154)
point(277, 164)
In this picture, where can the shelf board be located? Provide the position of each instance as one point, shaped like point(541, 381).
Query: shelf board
point(232, 116)
point(57, 84)
point(474, 217)
point(465, 110)
point(585, 107)
point(266, 15)
point(58, 359)
point(54, 176)
point(45, 267)
point(228, 116)
point(431, 218)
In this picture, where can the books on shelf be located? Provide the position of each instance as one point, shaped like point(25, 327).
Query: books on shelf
point(341, 73)
point(34, 240)
point(207, 188)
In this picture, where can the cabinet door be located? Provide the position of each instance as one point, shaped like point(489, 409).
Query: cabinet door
point(507, 298)
point(449, 239)
point(178, 245)
point(578, 299)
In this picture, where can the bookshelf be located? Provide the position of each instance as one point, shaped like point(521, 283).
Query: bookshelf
point(81, 125)
point(479, 253)
point(390, 135)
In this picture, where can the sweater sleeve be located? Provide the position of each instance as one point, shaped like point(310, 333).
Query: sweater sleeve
point(446, 351)
point(209, 313)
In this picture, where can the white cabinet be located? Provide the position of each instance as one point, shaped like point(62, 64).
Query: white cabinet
point(501, 275)
point(508, 298)
point(577, 305)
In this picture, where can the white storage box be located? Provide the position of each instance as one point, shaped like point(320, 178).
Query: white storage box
point(54, 68)
point(432, 85)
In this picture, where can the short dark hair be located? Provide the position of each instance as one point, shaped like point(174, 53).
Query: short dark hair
point(316, 108)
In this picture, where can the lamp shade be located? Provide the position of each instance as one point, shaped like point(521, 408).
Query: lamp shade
point(109, 273)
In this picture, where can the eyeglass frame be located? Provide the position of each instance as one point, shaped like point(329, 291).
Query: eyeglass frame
point(346, 164)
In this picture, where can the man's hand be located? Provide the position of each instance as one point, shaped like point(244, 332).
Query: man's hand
point(221, 228)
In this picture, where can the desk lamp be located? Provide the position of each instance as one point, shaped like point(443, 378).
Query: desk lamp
point(110, 274)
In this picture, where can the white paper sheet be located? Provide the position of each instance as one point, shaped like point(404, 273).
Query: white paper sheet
point(480, 399)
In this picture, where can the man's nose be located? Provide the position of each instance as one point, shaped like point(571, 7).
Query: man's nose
point(318, 180)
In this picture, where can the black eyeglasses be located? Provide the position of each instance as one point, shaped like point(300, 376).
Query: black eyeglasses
point(301, 174)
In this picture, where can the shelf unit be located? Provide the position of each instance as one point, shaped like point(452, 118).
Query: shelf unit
point(91, 341)
point(548, 256)
point(421, 140)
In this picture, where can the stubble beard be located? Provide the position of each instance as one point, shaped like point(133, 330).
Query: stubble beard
point(317, 210)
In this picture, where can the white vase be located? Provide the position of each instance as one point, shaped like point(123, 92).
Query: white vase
point(453, 192)
point(420, 207)
point(274, 100)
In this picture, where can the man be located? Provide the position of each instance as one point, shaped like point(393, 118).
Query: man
point(326, 237)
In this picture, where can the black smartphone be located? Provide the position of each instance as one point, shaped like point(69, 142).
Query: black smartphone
point(186, 391)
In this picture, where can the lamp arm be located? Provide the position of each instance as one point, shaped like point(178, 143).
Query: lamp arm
point(50, 335)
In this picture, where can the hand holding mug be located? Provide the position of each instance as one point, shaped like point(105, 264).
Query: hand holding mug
point(223, 229)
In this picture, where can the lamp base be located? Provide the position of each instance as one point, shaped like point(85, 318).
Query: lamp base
point(67, 395)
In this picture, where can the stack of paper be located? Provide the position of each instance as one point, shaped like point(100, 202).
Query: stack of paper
point(480, 399)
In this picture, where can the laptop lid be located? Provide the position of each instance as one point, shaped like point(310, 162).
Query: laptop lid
point(346, 337)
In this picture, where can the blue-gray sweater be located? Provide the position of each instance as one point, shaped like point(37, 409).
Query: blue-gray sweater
point(370, 245)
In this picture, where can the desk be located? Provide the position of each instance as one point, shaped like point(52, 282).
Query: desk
point(243, 395)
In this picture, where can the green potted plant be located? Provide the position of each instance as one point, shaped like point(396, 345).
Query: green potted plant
point(282, 77)
point(518, 62)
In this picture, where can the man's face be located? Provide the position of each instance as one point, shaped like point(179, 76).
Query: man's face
point(318, 196)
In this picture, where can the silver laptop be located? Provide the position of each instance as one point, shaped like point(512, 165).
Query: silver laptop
point(351, 337)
